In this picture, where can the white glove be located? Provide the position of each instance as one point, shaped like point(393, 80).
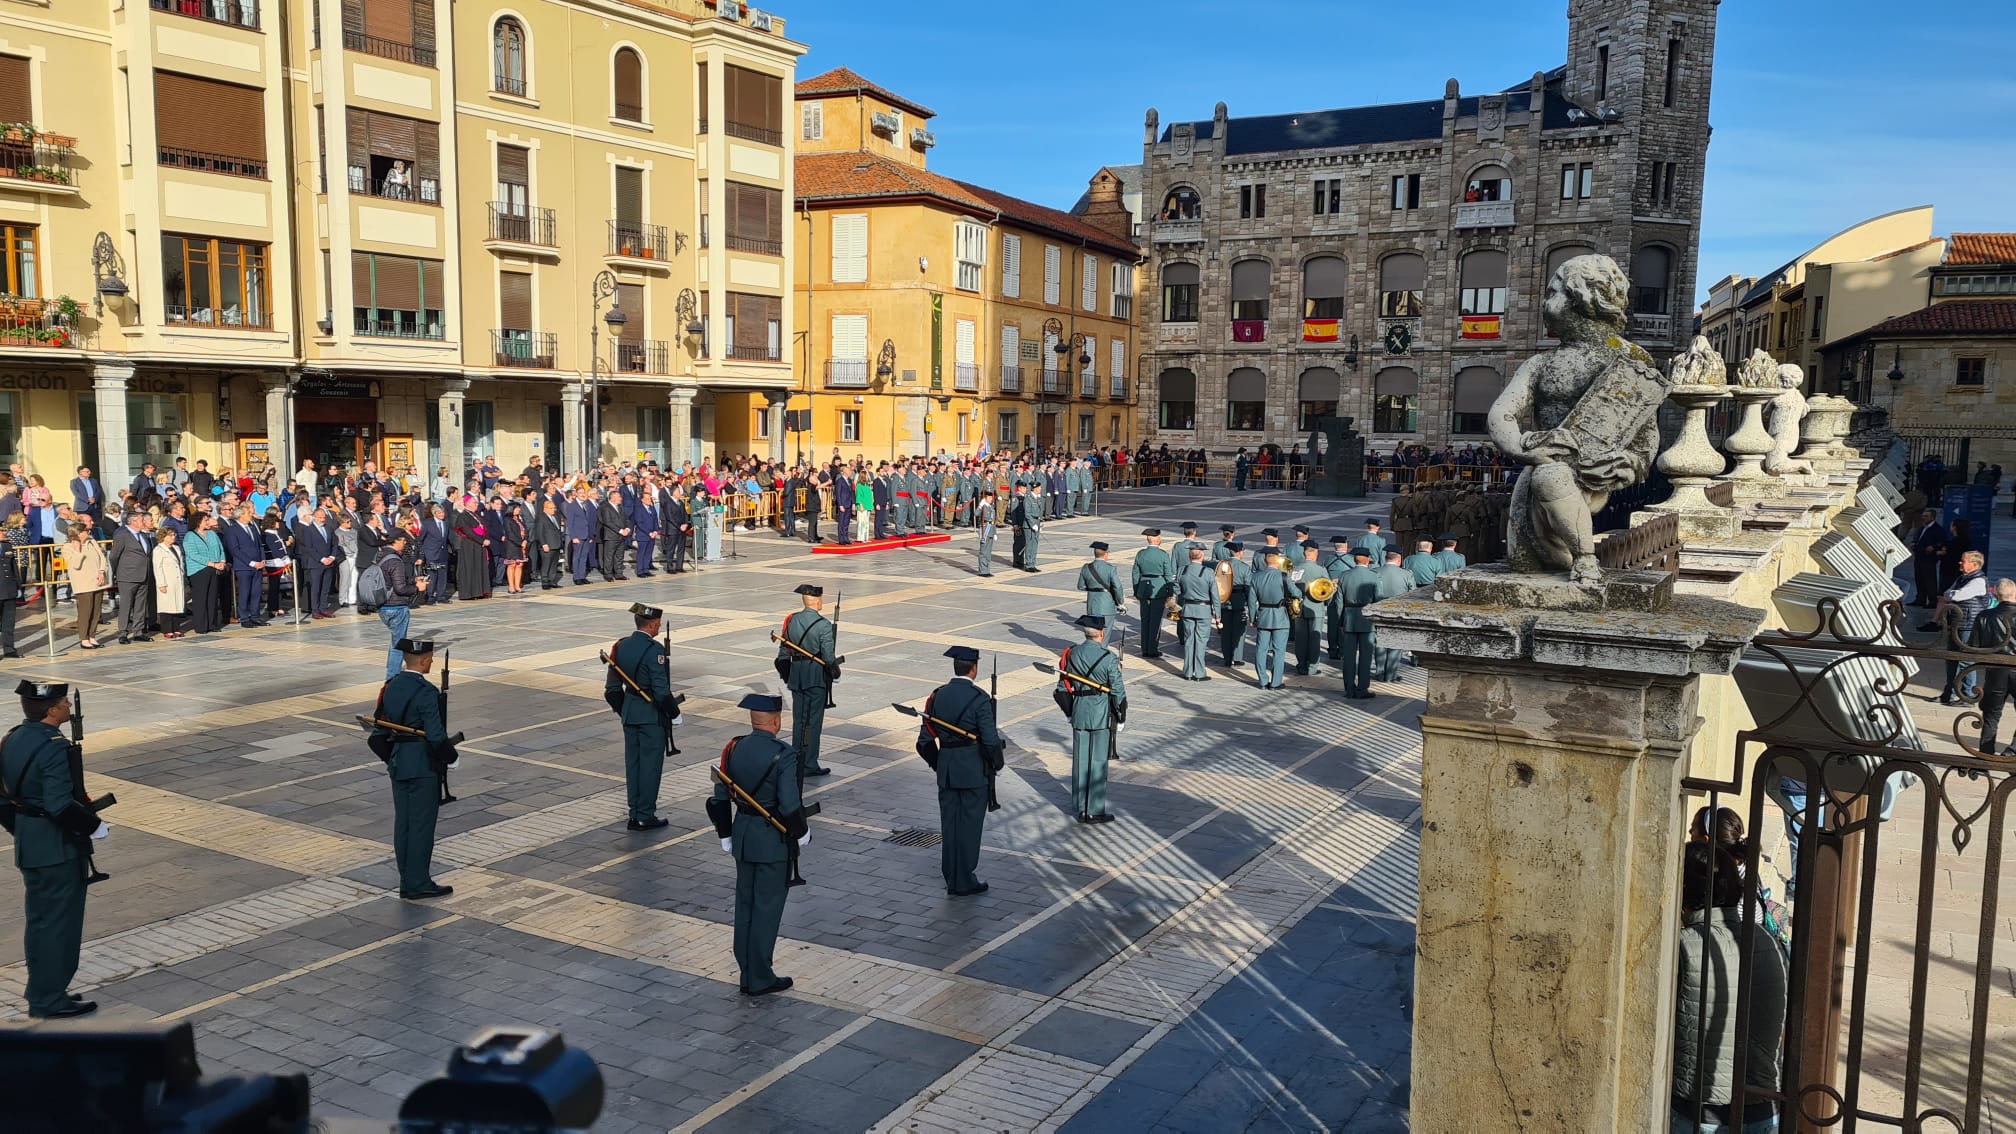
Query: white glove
point(675, 722)
point(102, 832)
point(728, 846)
point(804, 838)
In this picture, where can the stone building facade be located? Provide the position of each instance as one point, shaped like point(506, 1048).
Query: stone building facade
point(1387, 263)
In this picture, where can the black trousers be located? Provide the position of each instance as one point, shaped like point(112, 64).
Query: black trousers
point(1925, 576)
point(7, 610)
point(549, 567)
point(321, 589)
point(812, 523)
point(202, 602)
point(1995, 688)
point(612, 557)
point(437, 584)
point(676, 543)
point(1231, 639)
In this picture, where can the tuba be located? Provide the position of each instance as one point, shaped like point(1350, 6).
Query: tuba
point(1224, 581)
point(1321, 590)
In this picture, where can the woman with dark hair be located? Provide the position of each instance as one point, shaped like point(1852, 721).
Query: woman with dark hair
point(274, 551)
point(205, 565)
point(511, 544)
point(472, 541)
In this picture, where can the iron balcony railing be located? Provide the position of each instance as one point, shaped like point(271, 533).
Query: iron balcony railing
point(1053, 383)
point(1088, 385)
point(762, 247)
point(388, 48)
point(1011, 379)
point(174, 157)
point(33, 322)
point(755, 352)
point(399, 328)
point(531, 350)
point(847, 373)
point(42, 158)
point(508, 84)
point(640, 356)
point(217, 317)
point(1119, 388)
point(410, 187)
point(523, 226)
point(700, 127)
point(237, 13)
point(636, 241)
point(965, 376)
point(761, 134)
point(630, 111)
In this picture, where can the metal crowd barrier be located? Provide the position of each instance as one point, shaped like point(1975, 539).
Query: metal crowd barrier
point(41, 565)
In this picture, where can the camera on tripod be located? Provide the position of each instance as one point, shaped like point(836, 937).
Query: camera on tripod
point(139, 1078)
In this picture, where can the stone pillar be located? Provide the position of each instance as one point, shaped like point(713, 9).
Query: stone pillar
point(775, 411)
point(278, 390)
point(574, 420)
point(1692, 463)
point(1821, 433)
point(453, 451)
point(681, 443)
point(1750, 442)
point(1554, 741)
point(108, 396)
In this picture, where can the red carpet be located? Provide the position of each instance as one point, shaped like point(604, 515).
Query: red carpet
point(889, 544)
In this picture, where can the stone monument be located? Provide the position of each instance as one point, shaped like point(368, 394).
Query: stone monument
point(1594, 402)
point(1756, 387)
point(1342, 470)
point(1788, 409)
point(1691, 462)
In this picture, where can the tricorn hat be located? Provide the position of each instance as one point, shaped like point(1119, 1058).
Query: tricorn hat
point(963, 654)
point(647, 613)
point(761, 703)
point(1092, 621)
point(42, 690)
point(809, 590)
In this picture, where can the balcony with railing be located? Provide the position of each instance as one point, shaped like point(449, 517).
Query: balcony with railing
point(236, 13)
point(230, 318)
point(1011, 379)
point(755, 352)
point(640, 356)
point(1119, 388)
point(514, 226)
point(529, 350)
point(1088, 385)
point(1179, 232)
point(1655, 328)
point(26, 322)
point(749, 133)
point(760, 247)
point(630, 112)
point(388, 48)
point(965, 376)
point(1484, 214)
point(39, 162)
point(1053, 383)
point(847, 373)
point(630, 241)
point(175, 157)
point(395, 185)
point(403, 325)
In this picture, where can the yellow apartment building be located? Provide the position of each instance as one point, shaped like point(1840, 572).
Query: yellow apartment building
point(934, 309)
point(397, 230)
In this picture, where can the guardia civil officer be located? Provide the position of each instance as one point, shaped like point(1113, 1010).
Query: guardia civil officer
point(1306, 635)
point(1090, 691)
point(1026, 513)
point(1154, 582)
point(1423, 565)
point(1394, 580)
point(1335, 566)
point(1267, 603)
point(1197, 599)
point(983, 544)
point(958, 739)
point(1372, 541)
point(1450, 558)
point(414, 753)
point(52, 840)
point(1357, 589)
point(1232, 614)
point(638, 686)
point(1101, 584)
point(765, 768)
point(806, 663)
point(1180, 555)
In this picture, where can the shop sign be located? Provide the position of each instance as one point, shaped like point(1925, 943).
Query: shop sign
point(19, 380)
point(331, 386)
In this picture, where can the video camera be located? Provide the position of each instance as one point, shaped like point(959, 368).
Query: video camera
point(119, 1078)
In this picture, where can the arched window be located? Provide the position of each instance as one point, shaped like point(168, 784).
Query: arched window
point(629, 74)
point(1323, 281)
point(507, 62)
point(1560, 256)
point(1402, 277)
point(1490, 183)
point(1476, 388)
point(1484, 283)
point(1182, 204)
point(1246, 400)
point(1396, 405)
point(1320, 387)
point(1651, 268)
point(1179, 399)
point(1179, 293)
point(1249, 297)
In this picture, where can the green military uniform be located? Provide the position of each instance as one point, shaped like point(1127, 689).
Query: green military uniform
point(983, 524)
point(808, 681)
point(1335, 566)
point(920, 500)
point(899, 501)
point(1423, 566)
point(766, 768)
point(1101, 584)
point(1026, 513)
point(1154, 582)
point(1196, 597)
point(52, 835)
point(1232, 634)
point(641, 657)
point(963, 767)
point(1094, 715)
point(1306, 634)
point(1357, 589)
point(1179, 560)
point(1267, 605)
point(1221, 550)
point(410, 699)
point(1394, 580)
point(1374, 543)
point(1451, 559)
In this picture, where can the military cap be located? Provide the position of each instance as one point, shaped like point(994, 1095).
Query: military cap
point(1446, 537)
point(809, 589)
point(1234, 545)
point(1301, 529)
point(42, 690)
point(1311, 545)
point(414, 645)
point(1274, 551)
point(1275, 532)
point(1092, 621)
point(1188, 527)
point(963, 654)
point(1372, 521)
point(1099, 545)
point(1151, 531)
point(647, 613)
point(761, 703)
point(1340, 539)
point(1364, 553)
point(1228, 529)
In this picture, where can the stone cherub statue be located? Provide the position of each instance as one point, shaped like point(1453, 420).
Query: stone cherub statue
point(1787, 411)
point(1594, 402)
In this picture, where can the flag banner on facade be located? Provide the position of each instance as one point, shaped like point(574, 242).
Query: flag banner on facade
point(1481, 326)
point(1320, 330)
point(985, 450)
point(1249, 330)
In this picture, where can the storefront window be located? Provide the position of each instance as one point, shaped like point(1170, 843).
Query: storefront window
point(479, 421)
point(10, 431)
point(654, 434)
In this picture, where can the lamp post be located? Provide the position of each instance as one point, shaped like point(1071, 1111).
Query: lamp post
point(1067, 345)
point(602, 288)
point(885, 374)
point(107, 273)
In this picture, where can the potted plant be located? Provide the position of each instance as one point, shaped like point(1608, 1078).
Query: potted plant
point(648, 254)
point(60, 141)
point(18, 132)
point(629, 249)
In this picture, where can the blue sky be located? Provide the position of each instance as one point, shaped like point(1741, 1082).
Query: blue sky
point(1826, 112)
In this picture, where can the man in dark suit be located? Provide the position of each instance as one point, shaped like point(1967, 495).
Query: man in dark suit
point(787, 505)
point(677, 523)
point(434, 545)
point(581, 525)
point(549, 542)
point(131, 561)
point(612, 530)
point(883, 499)
point(843, 505)
point(643, 513)
point(86, 497)
point(201, 480)
point(1928, 546)
point(242, 546)
point(316, 547)
point(144, 482)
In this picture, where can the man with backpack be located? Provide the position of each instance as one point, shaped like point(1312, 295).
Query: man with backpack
point(389, 584)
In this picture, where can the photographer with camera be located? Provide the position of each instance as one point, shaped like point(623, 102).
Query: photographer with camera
point(52, 829)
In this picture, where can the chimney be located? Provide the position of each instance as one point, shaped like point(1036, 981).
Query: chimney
point(1104, 209)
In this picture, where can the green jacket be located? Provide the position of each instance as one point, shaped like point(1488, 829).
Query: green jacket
point(1101, 584)
point(1373, 542)
point(36, 763)
point(1358, 589)
point(1219, 552)
point(1091, 709)
point(1267, 599)
point(1424, 566)
point(810, 630)
point(1394, 581)
point(1242, 577)
point(962, 764)
point(1451, 560)
point(1303, 574)
point(411, 700)
point(766, 768)
point(643, 658)
point(1154, 574)
point(1197, 590)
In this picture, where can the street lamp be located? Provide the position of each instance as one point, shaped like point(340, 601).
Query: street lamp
point(885, 370)
point(602, 288)
point(106, 273)
point(1896, 364)
point(1065, 348)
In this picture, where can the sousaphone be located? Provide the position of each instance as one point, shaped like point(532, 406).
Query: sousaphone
point(1225, 581)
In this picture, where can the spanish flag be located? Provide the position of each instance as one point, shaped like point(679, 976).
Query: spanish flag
point(1481, 326)
point(1320, 330)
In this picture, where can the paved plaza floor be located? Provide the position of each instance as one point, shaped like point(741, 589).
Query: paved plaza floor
point(1236, 952)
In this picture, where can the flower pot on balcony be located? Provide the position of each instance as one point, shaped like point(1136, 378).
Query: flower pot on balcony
point(629, 250)
point(647, 253)
point(6, 171)
point(16, 134)
point(60, 141)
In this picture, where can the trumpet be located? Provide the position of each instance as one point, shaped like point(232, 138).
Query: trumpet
point(1321, 590)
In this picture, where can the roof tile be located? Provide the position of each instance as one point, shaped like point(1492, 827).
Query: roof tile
point(1954, 317)
point(1982, 248)
point(841, 80)
point(858, 176)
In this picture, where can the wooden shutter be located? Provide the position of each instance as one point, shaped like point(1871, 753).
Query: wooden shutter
point(1088, 285)
point(353, 16)
point(850, 248)
point(751, 314)
point(360, 279)
point(395, 137)
point(357, 134)
point(629, 197)
point(514, 301)
point(1011, 346)
point(398, 282)
point(390, 20)
point(630, 297)
point(629, 80)
point(962, 342)
point(514, 165)
point(17, 104)
point(850, 337)
point(432, 292)
point(427, 160)
point(209, 116)
point(1053, 265)
point(423, 30)
point(1011, 267)
point(700, 89)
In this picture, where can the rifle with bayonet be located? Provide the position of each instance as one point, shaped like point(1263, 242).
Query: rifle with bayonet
point(77, 792)
point(748, 802)
point(833, 671)
point(616, 701)
point(441, 766)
